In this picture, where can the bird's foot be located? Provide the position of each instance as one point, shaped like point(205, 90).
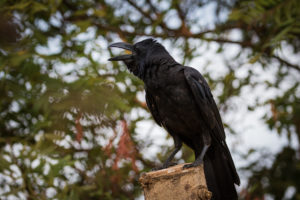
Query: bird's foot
point(164, 166)
point(194, 164)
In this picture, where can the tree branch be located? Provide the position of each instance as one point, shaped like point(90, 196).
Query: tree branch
point(175, 34)
point(184, 29)
point(140, 10)
point(170, 33)
point(288, 64)
point(153, 8)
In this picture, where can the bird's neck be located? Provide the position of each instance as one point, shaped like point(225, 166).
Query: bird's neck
point(157, 71)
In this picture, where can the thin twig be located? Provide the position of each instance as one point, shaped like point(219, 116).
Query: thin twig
point(288, 64)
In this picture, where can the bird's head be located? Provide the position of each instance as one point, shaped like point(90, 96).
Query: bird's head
point(143, 55)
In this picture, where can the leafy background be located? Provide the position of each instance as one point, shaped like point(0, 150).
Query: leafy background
point(75, 126)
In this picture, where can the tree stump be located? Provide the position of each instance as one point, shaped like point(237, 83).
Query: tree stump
point(175, 183)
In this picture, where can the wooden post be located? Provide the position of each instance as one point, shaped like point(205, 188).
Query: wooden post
point(176, 184)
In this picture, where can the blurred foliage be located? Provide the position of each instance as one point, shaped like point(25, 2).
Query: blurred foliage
point(66, 113)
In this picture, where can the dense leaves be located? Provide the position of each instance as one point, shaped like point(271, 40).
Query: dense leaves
point(66, 113)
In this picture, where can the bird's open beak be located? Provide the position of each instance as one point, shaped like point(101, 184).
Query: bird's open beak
point(122, 45)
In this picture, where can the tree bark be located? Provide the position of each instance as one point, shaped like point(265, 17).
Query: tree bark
point(175, 183)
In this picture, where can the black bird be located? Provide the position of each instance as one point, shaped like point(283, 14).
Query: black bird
point(180, 100)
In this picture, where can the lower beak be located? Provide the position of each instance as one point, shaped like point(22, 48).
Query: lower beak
point(122, 45)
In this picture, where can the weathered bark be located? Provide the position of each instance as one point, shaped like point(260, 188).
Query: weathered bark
point(176, 184)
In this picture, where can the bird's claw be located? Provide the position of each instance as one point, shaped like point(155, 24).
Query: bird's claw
point(187, 166)
point(194, 164)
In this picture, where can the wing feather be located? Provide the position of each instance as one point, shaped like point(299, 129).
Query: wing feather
point(206, 104)
point(153, 108)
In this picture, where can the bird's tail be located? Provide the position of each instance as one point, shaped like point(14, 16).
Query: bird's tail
point(220, 173)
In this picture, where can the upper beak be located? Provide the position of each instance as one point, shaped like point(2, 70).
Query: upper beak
point(122, 45)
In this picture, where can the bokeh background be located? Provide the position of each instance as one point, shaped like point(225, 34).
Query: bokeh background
point(75, 126)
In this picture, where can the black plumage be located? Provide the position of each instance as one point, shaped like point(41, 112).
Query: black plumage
point(180, 100)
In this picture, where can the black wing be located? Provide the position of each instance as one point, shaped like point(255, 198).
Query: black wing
point(153, 108)
point(206, 104)
point(209, 112)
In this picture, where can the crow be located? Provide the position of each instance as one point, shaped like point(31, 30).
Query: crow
point(180, 101)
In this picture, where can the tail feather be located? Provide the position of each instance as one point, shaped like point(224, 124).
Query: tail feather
point(234, 173)
point(219, 175)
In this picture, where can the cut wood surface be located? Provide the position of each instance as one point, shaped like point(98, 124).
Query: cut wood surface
point(175, 183)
